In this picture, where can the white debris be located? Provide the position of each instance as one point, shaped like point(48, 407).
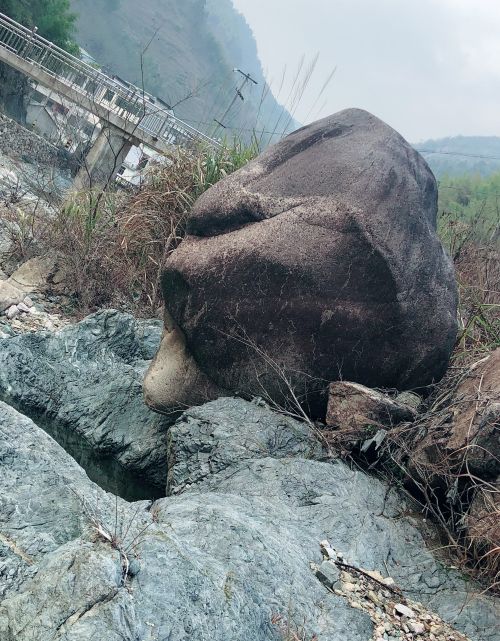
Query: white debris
point(12, 312)
point(23, 308)
point(328, 551)
point(416, 626)
point(404, 611)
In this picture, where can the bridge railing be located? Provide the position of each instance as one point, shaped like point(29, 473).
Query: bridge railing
point(134, 105)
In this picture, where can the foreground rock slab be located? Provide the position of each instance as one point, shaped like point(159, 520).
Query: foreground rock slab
point(86, 382)
point(318, 261)
point(228, 559)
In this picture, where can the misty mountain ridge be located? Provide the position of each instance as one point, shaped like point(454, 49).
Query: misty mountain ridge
point(186, 53)
point(462, 155)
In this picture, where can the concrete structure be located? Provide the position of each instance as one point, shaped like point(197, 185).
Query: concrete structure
point(128, 115)
point(60, 121)
point(105, 158)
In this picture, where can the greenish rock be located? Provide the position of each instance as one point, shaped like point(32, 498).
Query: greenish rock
point(221, 559)
point(84, 385)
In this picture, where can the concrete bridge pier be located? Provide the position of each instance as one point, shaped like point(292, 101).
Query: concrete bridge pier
point(103, 161)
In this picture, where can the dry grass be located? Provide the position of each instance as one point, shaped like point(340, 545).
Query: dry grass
point(482, 532)
point(478, 275)
point(445, 479)
point(473, 242)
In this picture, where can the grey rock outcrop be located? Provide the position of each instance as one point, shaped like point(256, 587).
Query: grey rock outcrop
point(218, 561)
point(319, 259)
point(85, 382)
point(33, 275)
point(216, 436)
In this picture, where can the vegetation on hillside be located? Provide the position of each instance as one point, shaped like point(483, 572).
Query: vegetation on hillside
point(469, 207)
point(54, 19)
point(56, 23)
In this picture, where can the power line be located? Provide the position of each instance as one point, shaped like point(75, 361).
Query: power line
point(455, 153)
point(422, 151)
point(238, 94)
point(252, 129)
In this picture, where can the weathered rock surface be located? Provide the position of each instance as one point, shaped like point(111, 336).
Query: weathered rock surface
point(319, 258)
point(86, 382)
point(353, 408)
point(220, 561)
point(218, 435)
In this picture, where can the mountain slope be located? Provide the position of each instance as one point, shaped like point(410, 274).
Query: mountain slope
point(184, 52)
point(462, 155)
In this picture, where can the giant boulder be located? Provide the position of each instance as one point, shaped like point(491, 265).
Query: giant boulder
point(319, 260)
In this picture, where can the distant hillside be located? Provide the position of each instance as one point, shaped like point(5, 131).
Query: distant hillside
point(184, 52)
point(481, 155)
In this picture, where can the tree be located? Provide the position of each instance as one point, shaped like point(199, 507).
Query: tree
point(53, 18)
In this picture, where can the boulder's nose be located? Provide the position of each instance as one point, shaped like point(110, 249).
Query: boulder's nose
point(174, 380)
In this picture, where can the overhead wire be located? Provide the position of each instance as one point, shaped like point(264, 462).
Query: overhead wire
point(455, 153)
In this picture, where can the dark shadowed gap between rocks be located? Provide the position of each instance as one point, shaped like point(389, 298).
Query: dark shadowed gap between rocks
point(102, 469)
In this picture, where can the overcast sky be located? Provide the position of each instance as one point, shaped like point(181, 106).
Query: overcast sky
point(430, 68)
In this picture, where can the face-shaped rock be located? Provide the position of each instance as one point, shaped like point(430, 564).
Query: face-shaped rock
point(318, 261)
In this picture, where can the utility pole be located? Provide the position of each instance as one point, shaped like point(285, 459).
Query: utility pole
point(239, 94)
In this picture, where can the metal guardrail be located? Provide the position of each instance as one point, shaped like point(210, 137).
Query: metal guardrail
point(137, 107)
